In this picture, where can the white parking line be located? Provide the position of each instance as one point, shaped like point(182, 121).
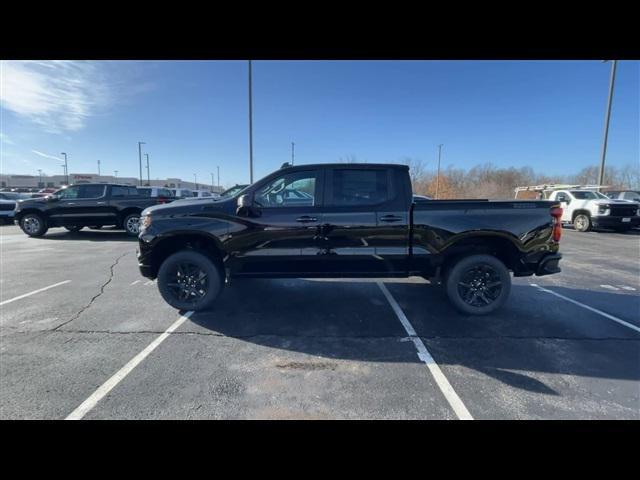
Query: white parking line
point(595, 310)
point(133, 283)
point(423, 354)
point(34, 292)
point(107, 386)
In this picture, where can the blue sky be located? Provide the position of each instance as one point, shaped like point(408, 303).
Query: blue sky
point(193, 115)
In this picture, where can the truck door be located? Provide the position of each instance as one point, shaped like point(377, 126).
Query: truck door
point(283, 238)
point(365, 222)
point(565, 199)
point(81, 205)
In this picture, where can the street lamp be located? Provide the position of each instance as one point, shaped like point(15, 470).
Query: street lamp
point(438, 175)
point(612, 79)
point(140, 158)
point(250, 128)
point(98, 167)
point(116, 173)
point(66, 169)
point(211, 181)
point(148, 177)
point(195, 180)
point(292, 154)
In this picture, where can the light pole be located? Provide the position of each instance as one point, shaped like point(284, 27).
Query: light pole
point(40, 175)
point(116, 173)
point(140, 158)
point(612, 80)
point(195, 180)
point(148, 177)
point(211, 181)
point(292, 154)
point(218, 167)
point(250, 128)
point(98, 167)
point(66, 168)
point(438, 175)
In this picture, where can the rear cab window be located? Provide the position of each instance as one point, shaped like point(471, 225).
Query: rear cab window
point(359, 187)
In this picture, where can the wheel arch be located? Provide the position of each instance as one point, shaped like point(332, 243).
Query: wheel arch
point(499, 246)
point(200, 242)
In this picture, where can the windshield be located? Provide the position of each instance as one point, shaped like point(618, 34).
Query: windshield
point(233, 191)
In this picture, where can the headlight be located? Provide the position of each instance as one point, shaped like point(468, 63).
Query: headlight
point(145, 222)
point(603, 208)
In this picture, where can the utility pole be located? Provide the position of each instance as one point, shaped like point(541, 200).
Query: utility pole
point(148, 177)
point(98, 167)
point(438, 175)
point(612, 80)
point(66, 168)
point(292, 152)
point(140, 159)
point(250, 128)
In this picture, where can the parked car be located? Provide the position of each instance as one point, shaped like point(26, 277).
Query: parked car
point(7, 210)
point(358, 221)
point(630, 195)
point(182, 192)
point(164, 195)
point(15, 196)
point(204, 194)
point(84, 205)
point(586, 208)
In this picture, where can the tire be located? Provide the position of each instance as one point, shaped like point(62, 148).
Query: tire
point(184, 292)
point(130, 224)
point(33, 225)
point(484, 273)
point(582, 223)
point(74, 229)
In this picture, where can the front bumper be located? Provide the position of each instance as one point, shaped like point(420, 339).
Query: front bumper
point(607, 221)
point(549, 264)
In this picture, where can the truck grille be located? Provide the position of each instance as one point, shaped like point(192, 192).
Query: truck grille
point(623, 210)
point(7, 206)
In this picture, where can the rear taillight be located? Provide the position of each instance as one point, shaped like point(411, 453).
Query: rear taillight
point(556, 213)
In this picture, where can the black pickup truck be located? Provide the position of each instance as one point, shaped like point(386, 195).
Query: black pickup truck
point(347, 220)
point(84, 205)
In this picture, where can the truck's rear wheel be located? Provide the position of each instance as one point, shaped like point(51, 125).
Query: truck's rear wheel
point(582, 223)
point(33, 225)
point(189, 280)
point(478, 284)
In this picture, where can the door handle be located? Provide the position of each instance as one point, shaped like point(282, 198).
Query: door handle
point(101, 203)
point(306, 219)
point(390, 218)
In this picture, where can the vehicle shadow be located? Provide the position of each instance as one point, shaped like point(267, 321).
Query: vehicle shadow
point(102, 235)
point(352, 320)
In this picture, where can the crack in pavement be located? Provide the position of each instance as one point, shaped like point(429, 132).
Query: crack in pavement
point(102, 287)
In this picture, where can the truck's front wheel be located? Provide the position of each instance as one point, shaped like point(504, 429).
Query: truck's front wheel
point(478, 284)
point(189, 280)
point(33, 225)
point(582, 223)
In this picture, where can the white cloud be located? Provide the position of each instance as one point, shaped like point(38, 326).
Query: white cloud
point(4, 138)
point(57, 95)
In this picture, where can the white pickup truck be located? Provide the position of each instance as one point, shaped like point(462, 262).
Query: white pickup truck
point(586, 208)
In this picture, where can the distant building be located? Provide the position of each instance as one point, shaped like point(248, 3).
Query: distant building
point(57, 181)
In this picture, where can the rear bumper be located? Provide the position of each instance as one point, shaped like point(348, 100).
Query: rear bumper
point(607, 221)
point(549, 264)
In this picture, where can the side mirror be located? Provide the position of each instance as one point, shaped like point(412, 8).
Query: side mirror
point(245, 205)
point(52, 198)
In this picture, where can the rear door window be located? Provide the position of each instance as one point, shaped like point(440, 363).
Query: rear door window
point(359, 187)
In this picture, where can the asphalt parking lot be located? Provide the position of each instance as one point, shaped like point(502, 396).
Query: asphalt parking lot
point(104, 345)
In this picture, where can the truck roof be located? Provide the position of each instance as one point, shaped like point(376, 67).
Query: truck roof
point(345, 165)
